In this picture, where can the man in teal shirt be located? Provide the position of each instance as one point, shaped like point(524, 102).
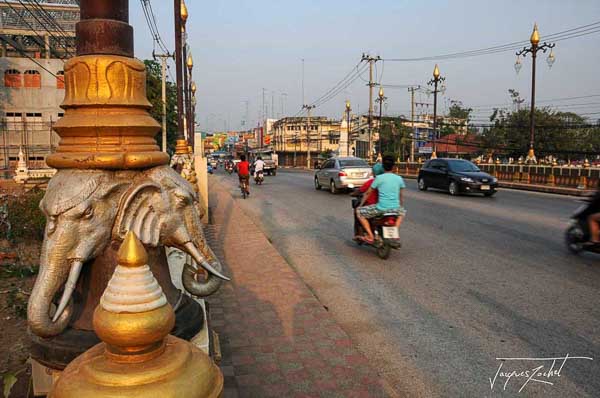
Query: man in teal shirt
point(391, 200)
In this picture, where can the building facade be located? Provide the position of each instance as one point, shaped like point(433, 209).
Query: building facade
point(292, 142)
point(36, 39)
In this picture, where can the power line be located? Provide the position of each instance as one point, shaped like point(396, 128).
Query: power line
point(153, 25)
point(22, 18)
point(341, 85)
point(559, 36)
point(13, 44)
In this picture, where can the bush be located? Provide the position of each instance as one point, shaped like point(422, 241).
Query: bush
point(25, 218)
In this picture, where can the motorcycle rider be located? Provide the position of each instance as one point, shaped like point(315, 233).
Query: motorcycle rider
point(594, 217)
point(390, 200)
point(259, 165)
point(371, 200)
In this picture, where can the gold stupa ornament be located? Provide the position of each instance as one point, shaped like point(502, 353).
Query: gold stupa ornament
point(106, 123)
point(137, 358)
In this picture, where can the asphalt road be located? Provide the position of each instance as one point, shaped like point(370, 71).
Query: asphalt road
point(476, 279)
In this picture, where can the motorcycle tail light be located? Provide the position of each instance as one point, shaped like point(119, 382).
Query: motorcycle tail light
point(390, 222)
point(342, 174)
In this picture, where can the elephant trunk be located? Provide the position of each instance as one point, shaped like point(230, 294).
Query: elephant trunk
point(51, 278)
point(214, 279)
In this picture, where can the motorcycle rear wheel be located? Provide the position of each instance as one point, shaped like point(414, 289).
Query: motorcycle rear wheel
point(573, 238)
point(383, 251)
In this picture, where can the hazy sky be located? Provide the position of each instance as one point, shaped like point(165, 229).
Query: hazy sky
point(240, 47)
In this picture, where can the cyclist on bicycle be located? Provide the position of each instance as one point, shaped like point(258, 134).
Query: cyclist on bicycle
point(243, 170)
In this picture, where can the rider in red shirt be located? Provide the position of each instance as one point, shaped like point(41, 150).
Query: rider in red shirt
point(243, 169)
point(371, 200)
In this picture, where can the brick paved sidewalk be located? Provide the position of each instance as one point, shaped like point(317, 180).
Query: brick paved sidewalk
point(277, 340)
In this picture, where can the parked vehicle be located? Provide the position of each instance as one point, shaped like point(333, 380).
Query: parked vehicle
point(578, 233)
point(259, 178)
point(384, 229)
point(229, 167)
point(456, 176)
point(341, 173)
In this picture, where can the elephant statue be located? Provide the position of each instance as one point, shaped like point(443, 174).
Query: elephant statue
point(88, 209)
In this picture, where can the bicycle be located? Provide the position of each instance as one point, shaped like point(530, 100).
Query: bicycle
point(244, 187)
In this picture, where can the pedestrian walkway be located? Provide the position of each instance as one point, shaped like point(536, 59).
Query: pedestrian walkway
point(277, 340)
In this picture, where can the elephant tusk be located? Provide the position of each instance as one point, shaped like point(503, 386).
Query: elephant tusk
point(69, 288)
point(201, 260)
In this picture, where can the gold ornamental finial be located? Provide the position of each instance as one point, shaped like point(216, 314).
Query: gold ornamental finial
point(535, 35)
point(181, 147)
point(347, 104)
point(381, 92)
point(132, 252)
point(137, 356)
point(194, 88)
point(436, 72)
point(184, 12)
point(190, 61)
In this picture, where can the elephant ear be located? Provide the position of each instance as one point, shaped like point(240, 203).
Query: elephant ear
point(139, 212)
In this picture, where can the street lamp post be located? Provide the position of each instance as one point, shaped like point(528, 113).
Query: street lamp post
point(348, 110)
point(535, 47)
point(181, 15)
point(437, 78)
point(381, 98)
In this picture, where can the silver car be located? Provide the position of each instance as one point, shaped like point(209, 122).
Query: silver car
point(341, 173)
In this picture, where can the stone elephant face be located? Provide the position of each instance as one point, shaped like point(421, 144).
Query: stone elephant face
point(86, 210)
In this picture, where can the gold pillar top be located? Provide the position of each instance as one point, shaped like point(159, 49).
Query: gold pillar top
point(436, 72)
point(106, 123)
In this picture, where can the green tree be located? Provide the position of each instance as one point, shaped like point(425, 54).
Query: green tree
point(562, 134)
point(455, 111)
point(154, 94)
point(395, 137)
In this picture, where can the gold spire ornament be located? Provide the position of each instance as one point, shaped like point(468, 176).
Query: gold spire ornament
point(137, 358)
point(184, 12)
point(535, 35)
point(436, 72)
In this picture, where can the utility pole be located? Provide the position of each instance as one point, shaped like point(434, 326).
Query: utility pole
point(163, 59)
point(272, 104)
point(371, 60)
point(308, 109)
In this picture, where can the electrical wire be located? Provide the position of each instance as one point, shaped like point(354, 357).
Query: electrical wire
point(24, 53)
point(22, 18)
point(559, 36)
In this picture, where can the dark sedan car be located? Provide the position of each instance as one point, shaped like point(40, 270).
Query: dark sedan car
point(456, 176)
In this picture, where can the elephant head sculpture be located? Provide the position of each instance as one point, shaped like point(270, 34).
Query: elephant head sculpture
point(86, 210)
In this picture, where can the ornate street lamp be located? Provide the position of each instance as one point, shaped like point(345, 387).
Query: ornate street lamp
point(381, 98)
point(535, 47)
point(437, 78)
point(189, 109)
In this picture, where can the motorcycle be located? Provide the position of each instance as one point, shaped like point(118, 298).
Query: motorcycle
point(229, 168)
point(259, 178)
point(384, 229)
point(578, 233)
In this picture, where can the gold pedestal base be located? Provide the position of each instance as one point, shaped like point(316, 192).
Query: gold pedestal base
point(182, 371)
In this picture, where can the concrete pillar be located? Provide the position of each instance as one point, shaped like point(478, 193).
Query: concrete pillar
point(201, 174)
